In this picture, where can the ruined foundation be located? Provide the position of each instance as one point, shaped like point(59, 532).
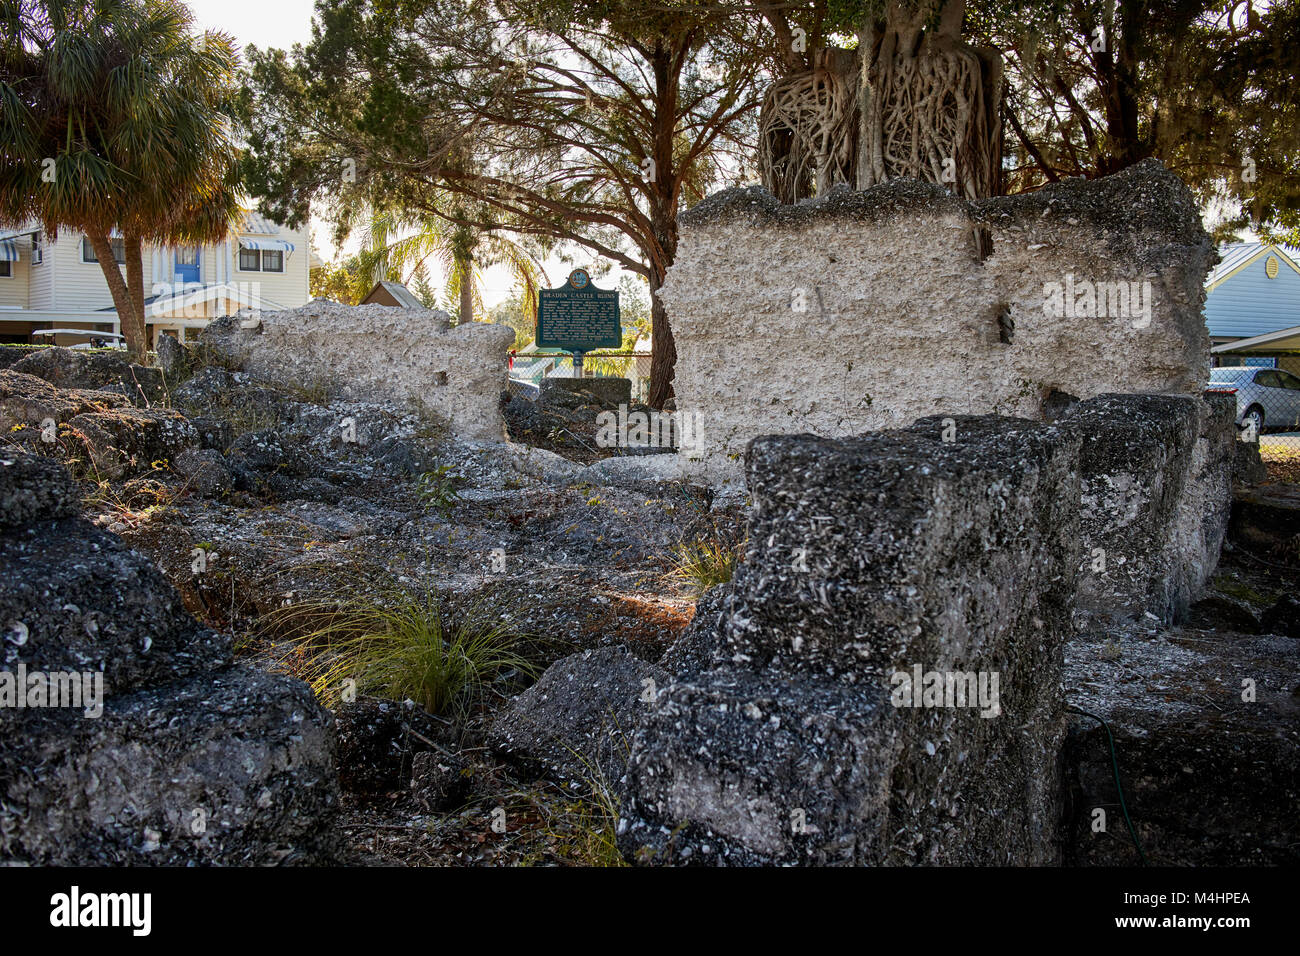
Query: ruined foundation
point(869, 310)
point(378, 353)
point(888, 554)
point(183, 757)
point(831, 703)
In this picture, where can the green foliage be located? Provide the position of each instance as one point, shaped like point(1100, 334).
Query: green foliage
point(706, 563)
point(470, 114)
point(116, 115)
point(437, 490)
point(512, 312)
point(1207, 86)
point(401, 645)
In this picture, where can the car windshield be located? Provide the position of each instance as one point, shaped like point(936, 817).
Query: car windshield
point(1232, 374)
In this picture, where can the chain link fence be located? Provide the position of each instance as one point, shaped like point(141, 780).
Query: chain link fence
point(529, 369)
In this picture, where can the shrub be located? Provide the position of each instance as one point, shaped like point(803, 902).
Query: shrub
point(437, 490)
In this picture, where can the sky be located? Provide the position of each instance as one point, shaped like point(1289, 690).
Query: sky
point(282, 23)
point(263, 23)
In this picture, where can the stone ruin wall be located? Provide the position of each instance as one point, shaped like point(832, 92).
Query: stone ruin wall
point(917, 303)
point(781, 740)
point(377, 352)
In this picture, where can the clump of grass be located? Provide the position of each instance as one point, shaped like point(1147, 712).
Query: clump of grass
point(317, 391)
point(437, 490)
point(585, 832)
point(581, 829)
point(706, 562)
point(401, 646)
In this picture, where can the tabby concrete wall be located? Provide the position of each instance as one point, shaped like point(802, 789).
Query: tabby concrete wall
point(878, 566)
point(869, 310)
point(881, 681)
point(376, 352)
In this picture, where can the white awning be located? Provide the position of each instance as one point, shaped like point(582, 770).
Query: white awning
point(281, 245)
point(8, 250)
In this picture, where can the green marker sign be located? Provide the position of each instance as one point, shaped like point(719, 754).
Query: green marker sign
point(578, 317)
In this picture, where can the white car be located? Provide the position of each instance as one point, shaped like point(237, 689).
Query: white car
point(1266, 397)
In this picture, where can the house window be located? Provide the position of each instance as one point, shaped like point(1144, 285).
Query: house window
point(272, 261)
point(6, 269)
point(250, 260)
point(38, 251)
point(119, 251)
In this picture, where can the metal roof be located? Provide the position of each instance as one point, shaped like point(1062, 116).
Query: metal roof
point(257, 224)
point(405, 297)
point(1236, 254)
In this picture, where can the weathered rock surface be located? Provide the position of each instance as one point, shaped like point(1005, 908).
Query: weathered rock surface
point(233, 767)
point(695, 650)
point(34, 489)
point(576, 721)
point(205, 470)
point(895, 268)
point(172, 356)
point(188, 760)
point(85, 602)
point(872, 557)
point(85, 369)
point(28, 401)
point(605, 389)
point(1156, 485)
point(378, 741)
point(375, 352)
point(125, 441)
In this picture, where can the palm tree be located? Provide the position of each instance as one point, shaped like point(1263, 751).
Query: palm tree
point(461, 252)
point(115, 117)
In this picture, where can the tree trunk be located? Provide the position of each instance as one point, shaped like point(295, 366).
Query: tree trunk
point(465, 264)
point(132, 325)
point(663, 358)
point(662, 194)
point(134, 250)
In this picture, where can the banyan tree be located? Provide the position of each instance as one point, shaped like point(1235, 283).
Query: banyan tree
point(912, 100)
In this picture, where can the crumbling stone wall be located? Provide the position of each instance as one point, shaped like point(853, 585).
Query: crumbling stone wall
point(961, 545)
point(870, 310)
point(875, 556)
point(376, 352)
point(175, 755)
point(1156, 490)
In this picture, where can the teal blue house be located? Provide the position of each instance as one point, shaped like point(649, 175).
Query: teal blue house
point(1252, 306)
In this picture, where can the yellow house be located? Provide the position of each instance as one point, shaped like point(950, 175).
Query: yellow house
point(57, 284)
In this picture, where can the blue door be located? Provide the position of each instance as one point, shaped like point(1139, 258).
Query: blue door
point(186, 267)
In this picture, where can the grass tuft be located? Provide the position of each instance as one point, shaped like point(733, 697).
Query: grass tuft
point(403, 646)
point(706, 563)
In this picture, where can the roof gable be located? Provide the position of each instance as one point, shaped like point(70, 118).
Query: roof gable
point(1242, 301)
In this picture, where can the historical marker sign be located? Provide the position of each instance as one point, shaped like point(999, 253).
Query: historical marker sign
point(578, 317)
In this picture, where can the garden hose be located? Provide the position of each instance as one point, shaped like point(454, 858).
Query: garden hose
point(1114, 762)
